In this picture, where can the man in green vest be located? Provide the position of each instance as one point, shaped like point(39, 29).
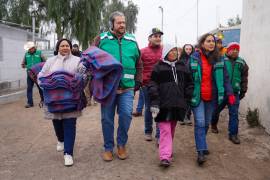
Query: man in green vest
point(31, 57)
point(124, 48)
point(238, 74)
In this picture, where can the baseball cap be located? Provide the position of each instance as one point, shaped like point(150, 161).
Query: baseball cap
point(155, 31)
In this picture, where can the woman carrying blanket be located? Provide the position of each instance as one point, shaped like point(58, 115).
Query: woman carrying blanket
point(62, 90)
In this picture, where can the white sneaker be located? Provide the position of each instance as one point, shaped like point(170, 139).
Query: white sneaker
point(60, 146)
point(68, 160)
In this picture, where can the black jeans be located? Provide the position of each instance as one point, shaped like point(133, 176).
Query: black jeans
point(30, 85)
point(65, 131)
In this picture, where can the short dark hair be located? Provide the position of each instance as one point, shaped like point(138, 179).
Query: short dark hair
point(75, 45)
point(58, 44)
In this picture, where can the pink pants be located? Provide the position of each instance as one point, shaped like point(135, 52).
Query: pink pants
point(167, 130)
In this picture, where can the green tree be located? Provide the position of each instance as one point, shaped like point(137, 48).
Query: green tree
point(115, 5)
point(78, 19)
point(19, 12)
point(86, 19)
point(60, 13)
point(234, 21)
point(130, 11)
point(3, 9)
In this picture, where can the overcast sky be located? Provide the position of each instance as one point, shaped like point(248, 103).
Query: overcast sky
point(180, 18)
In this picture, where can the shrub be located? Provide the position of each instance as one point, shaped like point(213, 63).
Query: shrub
point(253, 117)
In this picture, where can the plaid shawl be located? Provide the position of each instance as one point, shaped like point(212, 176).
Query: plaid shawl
point(63, 92)
point(106, 72)
point(34, 70)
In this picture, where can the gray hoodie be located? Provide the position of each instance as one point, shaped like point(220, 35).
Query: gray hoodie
point(166, 49)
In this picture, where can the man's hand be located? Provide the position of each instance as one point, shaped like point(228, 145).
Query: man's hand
point(241, 95)
point(23, 65)
point(138, 84)
point(231, 99)
point(154, 110)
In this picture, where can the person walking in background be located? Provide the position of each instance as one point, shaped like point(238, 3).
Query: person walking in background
point(170, 91)
point(57, 77)
point(221, 48)
point(211, 84)
point(150, 55)
point(124, 48)
point(75, 50)
point(32, 57)
point(140, 104)
point(238, 74)
point(185, 58)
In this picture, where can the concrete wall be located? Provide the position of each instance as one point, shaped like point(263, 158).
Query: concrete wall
point(12, 41)
point(255, 48)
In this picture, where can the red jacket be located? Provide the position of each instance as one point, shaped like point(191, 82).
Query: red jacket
point(206, 83)
point(150, 56)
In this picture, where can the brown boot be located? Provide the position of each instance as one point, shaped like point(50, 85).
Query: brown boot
point(137, 114)
point(214, 129)
point(107, 156)
point(121, 153)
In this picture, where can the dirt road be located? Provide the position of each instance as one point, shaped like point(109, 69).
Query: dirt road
point(28, 151)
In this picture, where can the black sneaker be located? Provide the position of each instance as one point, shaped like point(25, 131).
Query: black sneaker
point(234, 139)
point(206, 152)
point(201, 158)
point(165, 163)
point(28, 105)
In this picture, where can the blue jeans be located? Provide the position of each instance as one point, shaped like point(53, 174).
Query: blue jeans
point(140, 102)
point(233, 115)
point(202, 117)
point(30, 85)
point(65, 131)
point(148, 119)
point(124, 104)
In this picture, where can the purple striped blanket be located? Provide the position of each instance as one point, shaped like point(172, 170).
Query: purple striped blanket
point(106, 72)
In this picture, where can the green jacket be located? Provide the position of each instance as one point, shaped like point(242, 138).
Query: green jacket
point(126, 51)
point(32, 59)
point(218, 76)
point(235, 68)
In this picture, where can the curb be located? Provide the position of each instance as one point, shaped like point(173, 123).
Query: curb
point(8, 98)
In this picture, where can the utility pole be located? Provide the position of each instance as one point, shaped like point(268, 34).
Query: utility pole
point(33, 27)
point(161, 8)
point(217, 16)
point(175, 39)
point(32, 9)
point(197, 19)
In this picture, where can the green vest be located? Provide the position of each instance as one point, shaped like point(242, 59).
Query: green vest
point(125, 51)
point(235, 72)
point(32, 59)
point(197, 78)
